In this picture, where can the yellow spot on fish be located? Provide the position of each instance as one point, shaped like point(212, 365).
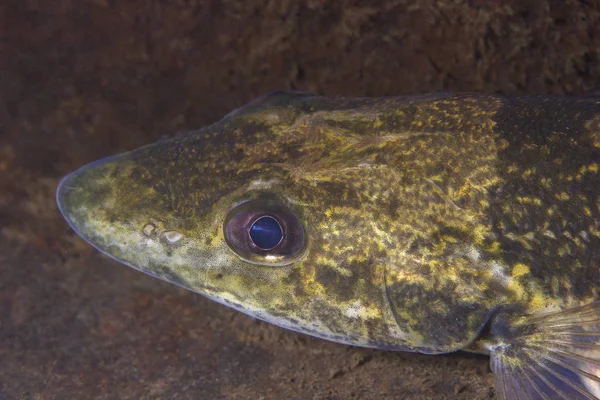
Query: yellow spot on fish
point(519, 270)
point(537, 301)
point(512, 168)
point(517, 289)
point(529, 172)
point(495, 248)
point(564, 196)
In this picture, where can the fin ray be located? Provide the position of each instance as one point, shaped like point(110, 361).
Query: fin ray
point(548, 356)
point(576, 369)
point(566, 375)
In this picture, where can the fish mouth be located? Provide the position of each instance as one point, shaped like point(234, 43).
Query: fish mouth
point(85, 197)
point(108, 206)
point(71, 187)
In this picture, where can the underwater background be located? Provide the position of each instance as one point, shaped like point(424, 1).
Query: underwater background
point(81, 80)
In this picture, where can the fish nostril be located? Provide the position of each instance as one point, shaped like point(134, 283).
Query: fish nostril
point(149, 229)
point(172, 236)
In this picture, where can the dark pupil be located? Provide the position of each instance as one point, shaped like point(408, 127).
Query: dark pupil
point(266, 233)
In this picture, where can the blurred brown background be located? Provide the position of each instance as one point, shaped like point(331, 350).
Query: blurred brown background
point(80, 80)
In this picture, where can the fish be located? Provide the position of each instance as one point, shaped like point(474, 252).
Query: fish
point(431, 223)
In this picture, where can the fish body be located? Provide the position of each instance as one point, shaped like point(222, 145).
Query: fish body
point(430, 223)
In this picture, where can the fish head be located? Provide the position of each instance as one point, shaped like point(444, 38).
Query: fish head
point(283, 210)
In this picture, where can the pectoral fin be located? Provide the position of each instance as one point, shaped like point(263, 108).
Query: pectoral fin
point(550, 356)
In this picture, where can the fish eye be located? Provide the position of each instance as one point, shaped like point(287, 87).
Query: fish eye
point(264, 232)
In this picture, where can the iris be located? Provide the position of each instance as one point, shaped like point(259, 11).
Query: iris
point(266, 233)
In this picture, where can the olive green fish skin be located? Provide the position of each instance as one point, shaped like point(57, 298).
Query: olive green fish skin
point(422, 215)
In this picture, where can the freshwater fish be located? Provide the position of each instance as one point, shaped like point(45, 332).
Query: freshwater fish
point(431, 224)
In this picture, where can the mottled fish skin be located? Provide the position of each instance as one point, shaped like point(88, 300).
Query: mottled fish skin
point(423, 215)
